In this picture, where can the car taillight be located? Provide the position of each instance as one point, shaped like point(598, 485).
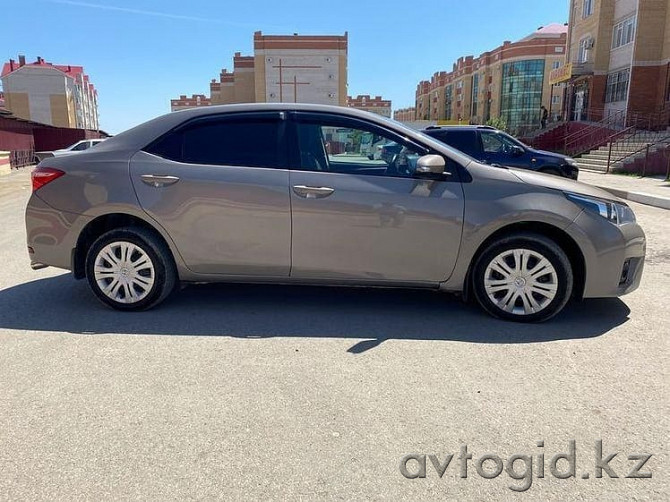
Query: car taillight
point(44, 175)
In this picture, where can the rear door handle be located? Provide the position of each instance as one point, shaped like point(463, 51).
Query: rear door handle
point(312, 192)
point(158, 180)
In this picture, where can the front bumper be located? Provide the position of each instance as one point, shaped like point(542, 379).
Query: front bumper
point(613, 255)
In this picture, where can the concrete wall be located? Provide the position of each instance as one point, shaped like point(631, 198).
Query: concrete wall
point(318, 81)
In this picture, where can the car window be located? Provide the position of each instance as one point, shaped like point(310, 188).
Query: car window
point(494, 142)
point(343, 146)
point(465, 141)
point(248, 142)
point(81, 146)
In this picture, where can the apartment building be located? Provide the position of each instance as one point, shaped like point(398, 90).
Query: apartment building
point(405, 114)
point(511, 82)
point(184, 102)
point(286, 69)
point(376, 104)
point(58, 95)
point(619, 58)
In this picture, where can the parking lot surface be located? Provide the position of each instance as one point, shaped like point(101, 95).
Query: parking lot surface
point(243, 392)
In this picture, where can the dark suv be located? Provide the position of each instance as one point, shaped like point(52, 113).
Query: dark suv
point(491, 146)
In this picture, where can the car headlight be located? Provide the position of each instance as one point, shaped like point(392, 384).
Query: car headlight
point(614, 212)
point(571, 162)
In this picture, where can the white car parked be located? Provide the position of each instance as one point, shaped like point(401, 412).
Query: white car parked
point(79, 146)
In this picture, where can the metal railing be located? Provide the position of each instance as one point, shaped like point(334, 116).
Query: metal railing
point(641, 141)
point(595, 133)
point(21, 158)
point(598, 129)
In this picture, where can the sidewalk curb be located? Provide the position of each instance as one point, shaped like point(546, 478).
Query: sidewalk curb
point(641, 197)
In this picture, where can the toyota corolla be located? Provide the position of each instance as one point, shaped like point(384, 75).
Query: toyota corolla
point(289, 193)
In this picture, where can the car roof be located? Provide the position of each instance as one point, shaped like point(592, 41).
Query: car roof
point(138, 137)
point(458, 128)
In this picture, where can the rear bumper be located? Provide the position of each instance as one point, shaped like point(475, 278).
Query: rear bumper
point(51, 234)
point(614, 255)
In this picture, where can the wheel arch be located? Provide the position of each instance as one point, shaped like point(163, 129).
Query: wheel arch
point(559, 236)
point(102, 224)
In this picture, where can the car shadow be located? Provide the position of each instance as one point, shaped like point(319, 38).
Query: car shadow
point(61, 304)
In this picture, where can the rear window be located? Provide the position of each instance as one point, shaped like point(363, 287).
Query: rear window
point(246, 143)
point(465, 141)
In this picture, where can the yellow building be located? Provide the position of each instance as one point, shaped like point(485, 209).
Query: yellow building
point(376, 104)
point(287, 69)
point(58, 95)
point(619, 53)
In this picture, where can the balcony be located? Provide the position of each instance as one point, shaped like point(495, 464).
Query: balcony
point(585, 68)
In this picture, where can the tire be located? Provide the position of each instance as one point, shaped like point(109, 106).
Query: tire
point(512, 282)
point(138, 280)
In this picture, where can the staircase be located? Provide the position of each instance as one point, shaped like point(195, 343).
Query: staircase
point(624, 150)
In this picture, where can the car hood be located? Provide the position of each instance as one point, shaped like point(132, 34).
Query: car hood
point(545, 153)
point(563, 184)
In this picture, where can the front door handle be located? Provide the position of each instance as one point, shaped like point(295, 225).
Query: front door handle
point(158, 180)
point(312, 192)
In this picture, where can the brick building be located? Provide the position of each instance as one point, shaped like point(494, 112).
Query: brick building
point(619, 58)
point(59, 95)
point(405, 114)
point(183, 102)
point(510, 82)
point(376, 104)
point(286, 69)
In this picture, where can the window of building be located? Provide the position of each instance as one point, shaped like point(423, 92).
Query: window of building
point(617, 86)
point(556, 100)
point(245, 142)
point(624, 32)
point(587, 8)
point(448, 101)
point(475, 94)
point(521, 94)
point(585, 46)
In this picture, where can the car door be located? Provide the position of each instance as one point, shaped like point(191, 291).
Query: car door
point(501, 150)
point(219, 187)
point(359, 217)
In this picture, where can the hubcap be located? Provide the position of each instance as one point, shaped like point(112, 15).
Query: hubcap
point(124, 272)
point(521, 281)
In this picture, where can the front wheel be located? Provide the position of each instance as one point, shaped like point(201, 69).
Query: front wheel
point(130, 269)
point(523, 277)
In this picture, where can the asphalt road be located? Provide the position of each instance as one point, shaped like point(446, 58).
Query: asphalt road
point(247, 392)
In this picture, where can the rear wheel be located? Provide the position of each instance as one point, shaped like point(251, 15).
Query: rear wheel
point(523, 277)
point(130, 269)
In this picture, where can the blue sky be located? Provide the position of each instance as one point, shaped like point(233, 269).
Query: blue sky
point(140, 53)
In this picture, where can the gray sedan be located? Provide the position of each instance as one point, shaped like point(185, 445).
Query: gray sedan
point(288, 193)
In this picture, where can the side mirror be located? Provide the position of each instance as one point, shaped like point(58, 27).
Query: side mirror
point(430, 164)
point(517, 151)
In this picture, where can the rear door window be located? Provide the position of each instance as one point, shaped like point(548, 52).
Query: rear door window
point(465, 141)
point(236, 141)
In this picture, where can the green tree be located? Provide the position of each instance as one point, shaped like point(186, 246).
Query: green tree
point(498, 123)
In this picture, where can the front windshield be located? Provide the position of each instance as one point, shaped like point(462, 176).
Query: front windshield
point(515, 141)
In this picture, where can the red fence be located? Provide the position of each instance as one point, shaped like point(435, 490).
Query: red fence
point(23, 137)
